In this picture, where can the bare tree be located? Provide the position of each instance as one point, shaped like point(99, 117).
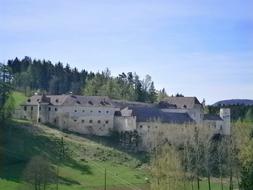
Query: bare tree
point(38, 174)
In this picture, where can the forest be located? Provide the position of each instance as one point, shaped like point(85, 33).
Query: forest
point(34, 75)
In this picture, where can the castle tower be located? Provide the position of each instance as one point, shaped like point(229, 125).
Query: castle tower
point(225, 115)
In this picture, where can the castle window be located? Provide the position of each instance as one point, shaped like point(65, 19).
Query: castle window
point(99, 111)
point(140, 126)
point(24, 117)
point(39, 120)
point(91, 111)
point(57, 100)
point(83, 111)
point(25, 108)
point(90, 121)
point(29, 100)
point(74, 120)
point(39, 108)
point(55, 109)
point(54, 120)
point(106, 121)
point(31, 108)
point(82, 121)
point(99, 121)
point(107, 111)
point(75, 110)
point(49, 108)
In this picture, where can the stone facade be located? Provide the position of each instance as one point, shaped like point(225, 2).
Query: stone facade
point(101, 116)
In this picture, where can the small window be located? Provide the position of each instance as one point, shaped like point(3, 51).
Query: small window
point(55, 109)
point(83, 111)
point(57, 100)
point(25, 108)
point(75, 110)
point(29, 100)
point(39, 120)
point(140, 126)
point(90, 121)
point(82, 121)
point(99, 121)
point(39, 108)
point(91, 111)
point(107, 111)
point(99, 111)
point(74, 120)
point(24, 117)
point(54, 120)
point(31, 108)
point(49, 108)
point(148, 126)
point(106, 121)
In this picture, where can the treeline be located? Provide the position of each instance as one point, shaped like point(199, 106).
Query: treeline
point(238, 112)
point(6, 103)
point(43, 76)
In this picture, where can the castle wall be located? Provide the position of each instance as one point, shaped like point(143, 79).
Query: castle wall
point(225, 115)
point(216, 125)
point(124, 123)
point(154, 134)
point(85, 120)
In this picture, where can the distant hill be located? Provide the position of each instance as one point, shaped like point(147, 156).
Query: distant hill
point(245, 102)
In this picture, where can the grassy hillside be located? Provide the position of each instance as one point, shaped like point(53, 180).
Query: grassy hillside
point(18, 97)
point(83, 167)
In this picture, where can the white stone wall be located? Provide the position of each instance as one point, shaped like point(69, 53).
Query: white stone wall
point(124, 123)
point(84, 120)
point(154, 134)
point(216, 125)
point(225, 115)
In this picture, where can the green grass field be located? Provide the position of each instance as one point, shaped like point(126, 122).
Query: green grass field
point(18, 97)
point(84, 168)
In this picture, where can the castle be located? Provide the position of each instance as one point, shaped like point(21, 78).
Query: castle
point(101, 116)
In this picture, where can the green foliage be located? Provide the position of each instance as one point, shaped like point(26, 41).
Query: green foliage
point(42, 76)
point(249, 115)
point(5, 90)
point(127, 87)
point(83, 164)
point(238, 112)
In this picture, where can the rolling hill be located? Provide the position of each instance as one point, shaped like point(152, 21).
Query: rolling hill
point(246, 102)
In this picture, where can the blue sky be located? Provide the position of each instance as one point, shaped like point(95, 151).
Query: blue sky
point(200, 48)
